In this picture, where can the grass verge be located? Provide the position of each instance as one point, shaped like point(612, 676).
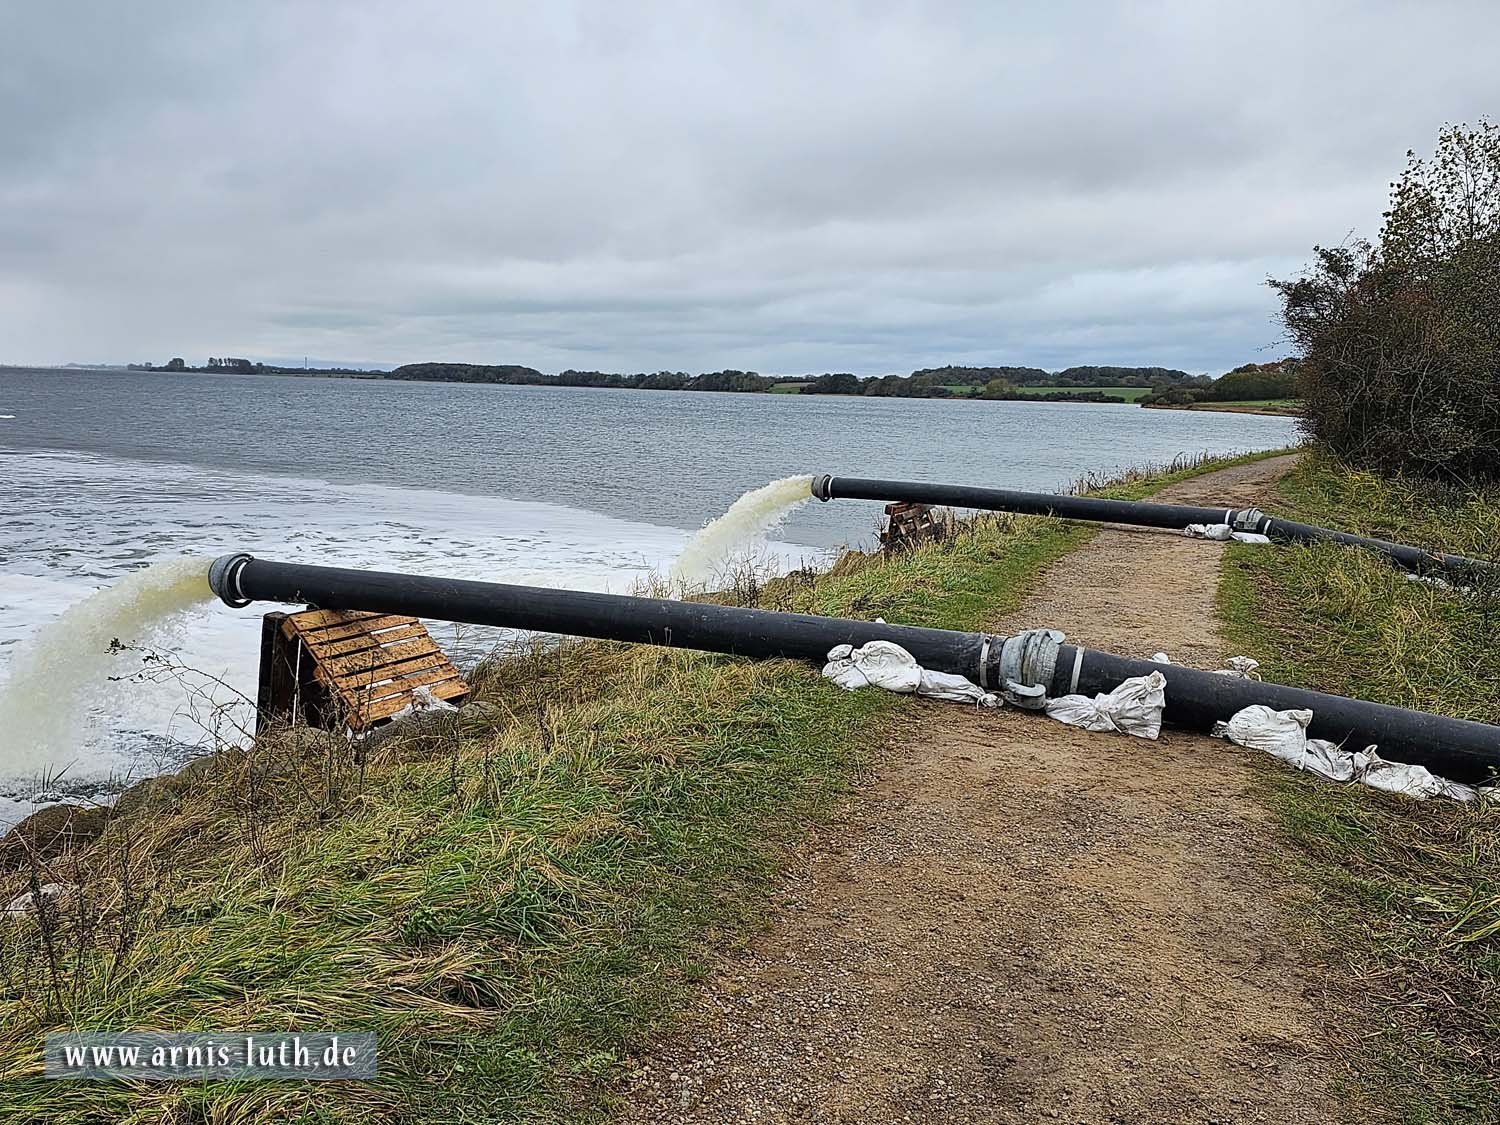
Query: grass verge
point(512, 901)
point(1411, 890)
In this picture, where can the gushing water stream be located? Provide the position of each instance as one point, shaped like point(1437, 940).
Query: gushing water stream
point(60, 675)
point(739, 531)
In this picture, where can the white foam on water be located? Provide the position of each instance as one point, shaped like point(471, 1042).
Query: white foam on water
point(740, 532)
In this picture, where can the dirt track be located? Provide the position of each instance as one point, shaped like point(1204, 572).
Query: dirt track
point(1018, 921)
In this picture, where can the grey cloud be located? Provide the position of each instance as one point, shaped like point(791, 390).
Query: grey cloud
point(788, 187)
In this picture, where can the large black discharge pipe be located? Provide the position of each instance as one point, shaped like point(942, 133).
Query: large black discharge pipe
point(1026, 668)
point(1176, 516)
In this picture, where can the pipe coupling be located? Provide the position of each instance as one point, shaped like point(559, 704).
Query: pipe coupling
point(1021, 667)
point(822, 487)
point(1248, 519)
point(224, 579)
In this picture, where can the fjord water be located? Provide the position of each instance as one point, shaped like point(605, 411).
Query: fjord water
point(104, 472)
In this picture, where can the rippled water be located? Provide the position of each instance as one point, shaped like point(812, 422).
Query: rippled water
point(101, 472)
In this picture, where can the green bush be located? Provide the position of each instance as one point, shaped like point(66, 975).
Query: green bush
point(1253, 382)
point(1401, 340)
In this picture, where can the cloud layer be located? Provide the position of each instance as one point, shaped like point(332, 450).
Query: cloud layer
point(841, 186)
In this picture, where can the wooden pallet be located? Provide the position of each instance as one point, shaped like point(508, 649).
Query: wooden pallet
point(332, 667)
point(908, 524)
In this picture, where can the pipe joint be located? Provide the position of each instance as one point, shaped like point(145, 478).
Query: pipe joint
point(1023, 666)
point(224, 579)
point(1248, 519)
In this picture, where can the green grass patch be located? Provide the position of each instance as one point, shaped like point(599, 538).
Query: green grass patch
point(1411, 891)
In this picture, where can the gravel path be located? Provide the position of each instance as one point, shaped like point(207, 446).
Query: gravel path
point(1016, 921)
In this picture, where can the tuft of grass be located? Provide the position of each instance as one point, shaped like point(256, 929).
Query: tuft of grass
point(513, 899)
point(1410, 907)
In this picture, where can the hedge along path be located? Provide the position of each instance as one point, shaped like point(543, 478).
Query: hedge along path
point(1014, 920)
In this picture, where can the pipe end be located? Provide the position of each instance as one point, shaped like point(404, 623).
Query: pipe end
point(822, 487)
point(224, 579)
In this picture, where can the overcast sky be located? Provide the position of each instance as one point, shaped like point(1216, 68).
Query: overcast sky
point(783, 187)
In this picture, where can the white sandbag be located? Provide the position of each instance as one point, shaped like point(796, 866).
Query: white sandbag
point(1133, 708)
point(842, 669)
point(422, 701)
point(26, 902)
point(1284, 734)
point(885, 664)
point(1222, 532)
point(1413, 781)
point(882, 664)
point(955, 689)
point(1239, 667)
point(1440, 583)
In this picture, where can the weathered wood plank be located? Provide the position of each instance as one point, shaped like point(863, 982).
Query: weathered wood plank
point(374, 659)
point(310, 619)
point(337, 631)
point(362, 641)
point(358, 679)
point(421, 678)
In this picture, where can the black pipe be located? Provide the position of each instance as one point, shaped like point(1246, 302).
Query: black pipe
point(241, 579)
point(1146, 515)
point(1025, 668)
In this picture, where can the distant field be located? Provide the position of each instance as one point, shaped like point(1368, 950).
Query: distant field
point(787, 388)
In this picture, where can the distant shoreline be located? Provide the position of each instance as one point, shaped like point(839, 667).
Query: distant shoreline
point(919, 385)
point(1229, 408)
point(727, 382)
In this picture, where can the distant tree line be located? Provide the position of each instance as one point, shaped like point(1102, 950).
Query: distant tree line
point(219, 365)
point(936, 382)
point(1068, 377)
point(1025, 384)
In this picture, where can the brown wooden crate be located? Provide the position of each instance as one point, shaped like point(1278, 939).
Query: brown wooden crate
point(373, 661)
